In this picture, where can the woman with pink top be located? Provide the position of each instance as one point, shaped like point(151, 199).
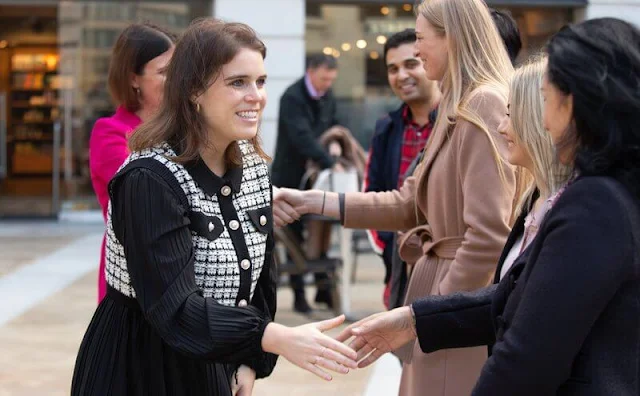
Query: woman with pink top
point(136, 80)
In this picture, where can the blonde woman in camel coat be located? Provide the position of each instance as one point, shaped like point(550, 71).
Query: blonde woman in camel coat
point(459, 203)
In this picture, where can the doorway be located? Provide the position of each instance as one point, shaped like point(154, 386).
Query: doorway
point(30, 109)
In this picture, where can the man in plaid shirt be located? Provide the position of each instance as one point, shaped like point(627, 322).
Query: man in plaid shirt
point(400, 136)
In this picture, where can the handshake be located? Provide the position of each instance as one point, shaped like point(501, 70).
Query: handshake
point(368, 339)
point(290, 204)
point(359, 344)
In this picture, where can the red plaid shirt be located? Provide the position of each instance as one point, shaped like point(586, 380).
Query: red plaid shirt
point(414, 139)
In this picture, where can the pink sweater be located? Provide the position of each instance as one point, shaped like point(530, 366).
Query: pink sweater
point(107, 151)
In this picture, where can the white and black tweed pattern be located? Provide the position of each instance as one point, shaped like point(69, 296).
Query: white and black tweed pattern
point(217, 270)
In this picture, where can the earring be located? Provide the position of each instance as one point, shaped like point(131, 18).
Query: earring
point(198, 107)
point(138, 92)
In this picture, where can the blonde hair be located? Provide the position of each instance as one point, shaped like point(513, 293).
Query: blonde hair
point(477, 58)
point(525, 109)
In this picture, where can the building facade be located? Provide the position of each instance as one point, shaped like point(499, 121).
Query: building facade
point(54, 57)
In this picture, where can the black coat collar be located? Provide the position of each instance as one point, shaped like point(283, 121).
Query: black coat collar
point(211, 183)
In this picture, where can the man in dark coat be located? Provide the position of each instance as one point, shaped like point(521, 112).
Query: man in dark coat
point(307, 109)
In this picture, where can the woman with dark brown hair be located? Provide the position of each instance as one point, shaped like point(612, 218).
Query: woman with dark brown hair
point(136, 80)
point(191, 293)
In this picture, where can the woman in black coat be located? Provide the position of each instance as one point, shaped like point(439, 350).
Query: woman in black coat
point(565, 318)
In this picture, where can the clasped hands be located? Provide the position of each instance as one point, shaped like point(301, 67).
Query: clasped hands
point(378, 334)
point(308, 348)
point(369, 338)
point(288, 206)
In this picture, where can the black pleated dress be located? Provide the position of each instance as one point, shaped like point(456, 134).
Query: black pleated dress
point(182, 311)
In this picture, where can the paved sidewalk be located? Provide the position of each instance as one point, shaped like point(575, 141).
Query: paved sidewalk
point(48, 273)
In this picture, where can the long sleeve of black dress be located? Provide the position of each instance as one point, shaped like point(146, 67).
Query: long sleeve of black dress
point(264, 298)
point(153, 228)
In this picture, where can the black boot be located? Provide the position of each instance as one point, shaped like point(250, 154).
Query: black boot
point(323, 296)
point(300, 303)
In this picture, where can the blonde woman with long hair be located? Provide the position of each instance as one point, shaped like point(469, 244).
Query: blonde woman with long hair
point(531, 149)
point(456, 211)
point(459, 321)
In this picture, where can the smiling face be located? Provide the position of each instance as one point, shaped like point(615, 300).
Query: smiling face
point(431, 47)
point(517, 154)
point(232, 106)
point(406, 74)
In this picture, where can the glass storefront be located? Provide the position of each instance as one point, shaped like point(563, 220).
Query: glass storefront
point(54, 57)
point(356, 33)
point(53, 86)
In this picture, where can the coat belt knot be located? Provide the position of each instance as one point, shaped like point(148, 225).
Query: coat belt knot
point(419, 242)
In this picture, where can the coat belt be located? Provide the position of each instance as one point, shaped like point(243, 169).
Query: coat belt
point(415, 244)
point(419, 242)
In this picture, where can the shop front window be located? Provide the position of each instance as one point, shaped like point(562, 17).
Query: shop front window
point(85, 46)
point(53, 87)
point(355, 34)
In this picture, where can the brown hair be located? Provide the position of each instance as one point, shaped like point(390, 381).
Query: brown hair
point(136, 46)
point(206, 46)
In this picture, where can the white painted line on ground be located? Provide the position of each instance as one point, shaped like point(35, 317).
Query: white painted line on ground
point(28, 286)
point(81, 216)
point(385, 377)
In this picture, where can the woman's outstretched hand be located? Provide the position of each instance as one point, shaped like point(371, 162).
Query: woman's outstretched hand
point(379, 334)
point(307, 347)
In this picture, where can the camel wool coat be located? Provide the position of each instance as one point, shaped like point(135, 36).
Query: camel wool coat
point(459, 208)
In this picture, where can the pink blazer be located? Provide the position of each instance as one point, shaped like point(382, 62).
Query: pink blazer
point(107, 151)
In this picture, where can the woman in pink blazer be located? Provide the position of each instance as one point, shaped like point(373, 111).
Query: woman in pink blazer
point(136, 81)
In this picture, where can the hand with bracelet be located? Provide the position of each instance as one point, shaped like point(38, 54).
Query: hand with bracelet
point(380, 333)
point(289, 204)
